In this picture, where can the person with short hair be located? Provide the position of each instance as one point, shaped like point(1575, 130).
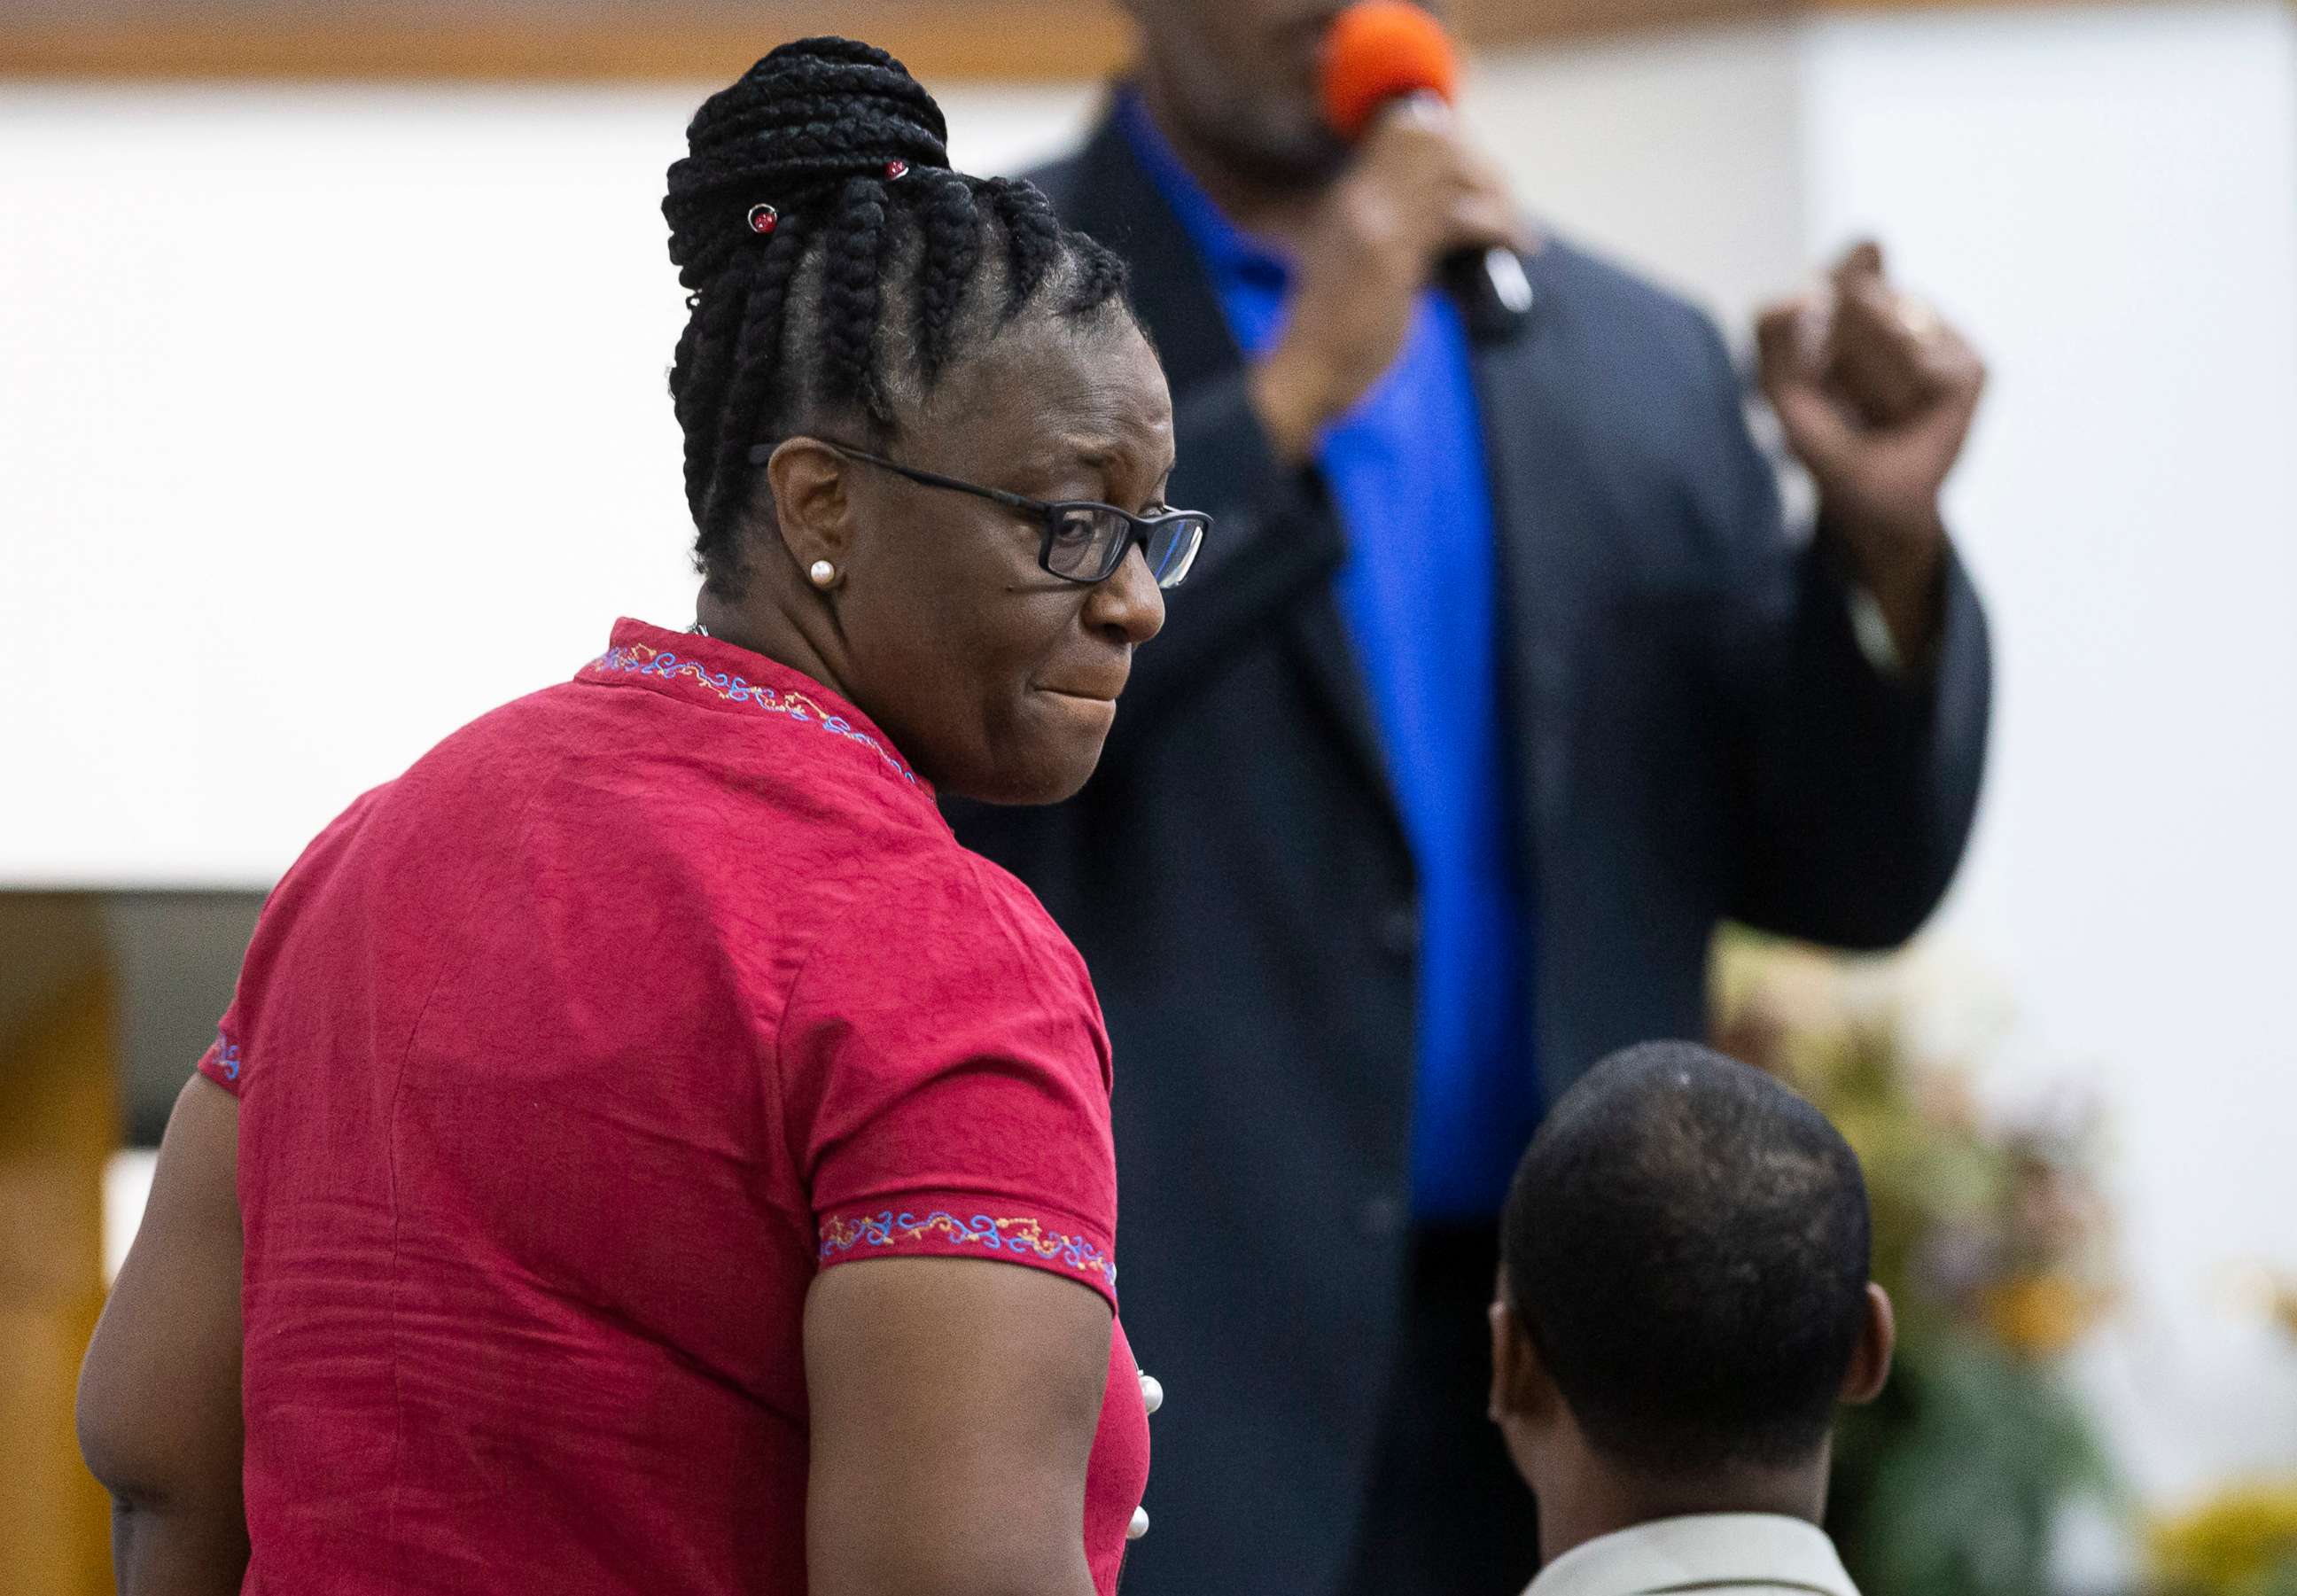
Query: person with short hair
point(646, 1152)
point(1684, 1300)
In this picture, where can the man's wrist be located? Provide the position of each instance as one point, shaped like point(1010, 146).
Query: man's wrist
point(1898, 570)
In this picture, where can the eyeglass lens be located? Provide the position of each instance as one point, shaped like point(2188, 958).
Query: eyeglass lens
point(1089, 544)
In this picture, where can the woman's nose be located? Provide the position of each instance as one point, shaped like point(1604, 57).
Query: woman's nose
point(1128, 602)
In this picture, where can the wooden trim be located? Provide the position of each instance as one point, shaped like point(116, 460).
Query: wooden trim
point(707, 42)
point(60, 1071)
point(999, 40)
point(1490, 23)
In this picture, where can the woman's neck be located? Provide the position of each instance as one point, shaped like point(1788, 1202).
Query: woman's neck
point(760, 624)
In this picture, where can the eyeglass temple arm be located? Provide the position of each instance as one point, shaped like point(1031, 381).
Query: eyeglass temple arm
point(760, 453)
point(1015, 501)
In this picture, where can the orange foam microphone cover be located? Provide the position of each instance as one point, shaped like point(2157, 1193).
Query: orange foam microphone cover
point(1376, 51)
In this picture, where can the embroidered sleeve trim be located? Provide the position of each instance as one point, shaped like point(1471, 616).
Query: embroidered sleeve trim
point(1026, 1237)
point(640, 659)
point(221, 1061)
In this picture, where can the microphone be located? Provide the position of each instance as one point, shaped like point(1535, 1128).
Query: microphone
point(1377, 52)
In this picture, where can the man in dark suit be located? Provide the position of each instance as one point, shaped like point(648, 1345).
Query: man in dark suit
point(1499, 683)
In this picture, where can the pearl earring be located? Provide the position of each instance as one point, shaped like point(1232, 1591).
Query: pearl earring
point(822, 573)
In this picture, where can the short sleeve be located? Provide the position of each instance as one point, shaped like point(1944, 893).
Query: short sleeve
point(946, 1078)
point(226, 1062)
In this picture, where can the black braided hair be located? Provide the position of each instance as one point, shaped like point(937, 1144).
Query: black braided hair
point(880, 267)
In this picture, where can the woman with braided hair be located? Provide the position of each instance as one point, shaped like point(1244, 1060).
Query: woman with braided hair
point(501, 1240)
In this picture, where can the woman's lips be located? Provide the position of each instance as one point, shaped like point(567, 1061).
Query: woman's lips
point(1104, 691)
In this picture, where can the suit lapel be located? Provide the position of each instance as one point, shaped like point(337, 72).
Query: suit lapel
point(1532, 462)
point(1116, 202)
point(1322, 643)
point(1110, 197)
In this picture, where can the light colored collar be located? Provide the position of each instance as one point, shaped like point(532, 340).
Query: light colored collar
point(1702, 1552)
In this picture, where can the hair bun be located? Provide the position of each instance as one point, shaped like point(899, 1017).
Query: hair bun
point(810, 115)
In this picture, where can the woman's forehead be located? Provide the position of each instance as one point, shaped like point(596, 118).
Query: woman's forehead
point(1092, 391)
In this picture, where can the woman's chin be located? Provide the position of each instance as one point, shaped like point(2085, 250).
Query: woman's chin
point(1043, 761)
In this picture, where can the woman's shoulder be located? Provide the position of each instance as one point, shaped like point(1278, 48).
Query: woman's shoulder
point(940, 966)
point(938, 923)
point(733, 796)
point(931, 885)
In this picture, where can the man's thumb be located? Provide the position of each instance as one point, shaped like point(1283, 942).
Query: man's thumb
point(1815, 427)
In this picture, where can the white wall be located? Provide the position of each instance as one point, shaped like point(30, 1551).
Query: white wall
point(1677, 153)
point(328, 420)
point(2108, 201)
point(340, 414)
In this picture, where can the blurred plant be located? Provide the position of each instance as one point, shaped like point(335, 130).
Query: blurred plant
point(2281, 1302)
point(2242, 1543)
point(1993, 1240)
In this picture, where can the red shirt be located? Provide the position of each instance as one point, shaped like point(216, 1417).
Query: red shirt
point(565, 1062)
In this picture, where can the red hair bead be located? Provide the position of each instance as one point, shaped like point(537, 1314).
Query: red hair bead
point(764, 217)
point(896, 168)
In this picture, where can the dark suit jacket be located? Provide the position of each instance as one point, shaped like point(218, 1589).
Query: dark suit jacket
point(1696, 735)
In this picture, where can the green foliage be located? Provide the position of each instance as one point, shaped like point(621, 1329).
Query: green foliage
point(1951, 1484)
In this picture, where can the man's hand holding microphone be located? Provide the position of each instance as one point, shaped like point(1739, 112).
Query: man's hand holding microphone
point(1415, 194)
point(1875, 392)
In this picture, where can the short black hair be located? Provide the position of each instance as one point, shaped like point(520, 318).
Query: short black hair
point(836, 265)
point(1686, 1245)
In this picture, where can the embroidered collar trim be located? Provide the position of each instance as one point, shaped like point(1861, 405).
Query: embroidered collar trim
point(628, 657)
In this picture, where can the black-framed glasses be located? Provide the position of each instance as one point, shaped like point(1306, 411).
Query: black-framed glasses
point(1084, 539)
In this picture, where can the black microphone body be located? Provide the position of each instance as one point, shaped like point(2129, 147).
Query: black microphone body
point(1494, 294)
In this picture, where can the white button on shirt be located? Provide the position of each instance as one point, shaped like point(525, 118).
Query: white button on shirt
point(1744, 1554)
point(1152, 1397)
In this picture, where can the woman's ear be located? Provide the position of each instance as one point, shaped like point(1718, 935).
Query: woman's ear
point(812, 505)
point(1869, 1359)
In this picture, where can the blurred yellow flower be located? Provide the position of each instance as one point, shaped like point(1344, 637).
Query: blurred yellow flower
point(2241, 1543)
point(2040, 1315)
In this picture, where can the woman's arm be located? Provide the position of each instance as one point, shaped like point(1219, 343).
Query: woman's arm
point(159, 1395)
point(954, 1404)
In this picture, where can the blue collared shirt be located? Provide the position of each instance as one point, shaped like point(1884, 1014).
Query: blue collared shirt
point(1419, 596)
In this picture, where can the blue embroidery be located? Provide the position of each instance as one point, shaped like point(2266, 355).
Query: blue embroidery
point(228, 1056)
point(886, 1227)
point(640, 660)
